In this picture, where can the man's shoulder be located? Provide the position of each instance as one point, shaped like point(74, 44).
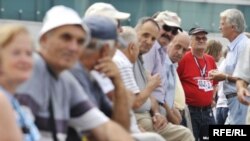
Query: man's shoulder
point(121, 60)
point(209, 57)
point(186, 56)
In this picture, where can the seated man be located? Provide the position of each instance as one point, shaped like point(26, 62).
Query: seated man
point(54, 96)
point(134, 77)
point(97, 56)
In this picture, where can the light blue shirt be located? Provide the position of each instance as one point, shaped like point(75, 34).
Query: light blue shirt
point(171, 81)
point(155, 62)
point(235, 49)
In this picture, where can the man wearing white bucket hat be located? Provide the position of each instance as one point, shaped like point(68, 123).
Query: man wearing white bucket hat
point(54, 96)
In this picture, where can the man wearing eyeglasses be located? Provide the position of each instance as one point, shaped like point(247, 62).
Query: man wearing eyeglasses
point(156, 61)
point(193, 72)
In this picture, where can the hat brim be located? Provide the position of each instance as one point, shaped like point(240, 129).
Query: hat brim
point(169, 23)
point(121, 15)
point(199, 31)
point(172, 24)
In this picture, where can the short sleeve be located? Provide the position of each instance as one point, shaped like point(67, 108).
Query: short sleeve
point(84, 115)
point(242, 69)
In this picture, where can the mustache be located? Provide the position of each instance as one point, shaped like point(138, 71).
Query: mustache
point(166, 37)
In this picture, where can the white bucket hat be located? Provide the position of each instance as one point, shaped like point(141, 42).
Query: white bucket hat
point(169, 18)
point(108, 10)
point(58, 16)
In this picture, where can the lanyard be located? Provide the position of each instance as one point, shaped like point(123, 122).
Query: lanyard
point(202, 70)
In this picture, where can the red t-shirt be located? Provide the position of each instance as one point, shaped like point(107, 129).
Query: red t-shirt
point(190, 73)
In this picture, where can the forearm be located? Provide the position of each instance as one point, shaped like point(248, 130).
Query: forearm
point(230, 78)
point(215, 89)
point(154, 105)
point(106, 131)
point(241, 84)
point(142, 97)
point(172, 115)
point(121, 105)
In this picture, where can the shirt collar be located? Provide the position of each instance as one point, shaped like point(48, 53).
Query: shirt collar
point(123, 56)
point(157, 44)
point(168, 60)
point(236, 41)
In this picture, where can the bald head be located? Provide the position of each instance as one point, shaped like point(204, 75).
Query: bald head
point(178, 47)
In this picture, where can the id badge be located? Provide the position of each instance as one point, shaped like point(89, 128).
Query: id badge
point(205, 85)
point(201, 84)
point(209, 86)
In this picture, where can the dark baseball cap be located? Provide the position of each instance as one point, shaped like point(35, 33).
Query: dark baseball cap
point(103, 28)
point(196, 30)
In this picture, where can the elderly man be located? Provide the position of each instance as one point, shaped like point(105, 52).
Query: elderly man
point(124, 59)
point(175, 51)
point(232, 27)
point(155, 61)
point(54, 96)
point(198, 89)
point(146, 107)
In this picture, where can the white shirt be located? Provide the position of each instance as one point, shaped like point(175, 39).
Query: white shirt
point(126, 70)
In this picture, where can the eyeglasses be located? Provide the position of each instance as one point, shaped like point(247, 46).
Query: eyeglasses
point(171, 29)
point(197, 38)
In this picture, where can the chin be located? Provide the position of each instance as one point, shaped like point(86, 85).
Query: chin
point(68, 65)
point(22, 79)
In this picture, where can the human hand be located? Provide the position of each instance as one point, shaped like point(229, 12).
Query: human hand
point(213, 103)
point(216, 75)
point(141, 128)
point(108, 67)
point(154, 81)
point(242, 95)
point(159, 121)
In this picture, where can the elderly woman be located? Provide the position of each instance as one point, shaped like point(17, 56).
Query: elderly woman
point(214, 48)
point(15, 67)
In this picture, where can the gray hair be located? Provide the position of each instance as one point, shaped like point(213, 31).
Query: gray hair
point(236, 18)
point(144, 20)
point(129, 34)
point(97, 44)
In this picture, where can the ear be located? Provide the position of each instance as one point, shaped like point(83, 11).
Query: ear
point(105, 50)
point(233, 27)
point(131, 48)
point(43, 39)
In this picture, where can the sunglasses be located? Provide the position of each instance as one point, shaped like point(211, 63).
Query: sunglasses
point(197, 38)
point(173, 30)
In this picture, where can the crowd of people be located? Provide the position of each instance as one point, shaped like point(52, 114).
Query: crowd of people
point(92, 79)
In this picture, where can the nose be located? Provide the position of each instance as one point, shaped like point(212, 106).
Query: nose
point(180, 51)
point(170, 34)
point(148, 41)
point(26, 59)
point(74, 46)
